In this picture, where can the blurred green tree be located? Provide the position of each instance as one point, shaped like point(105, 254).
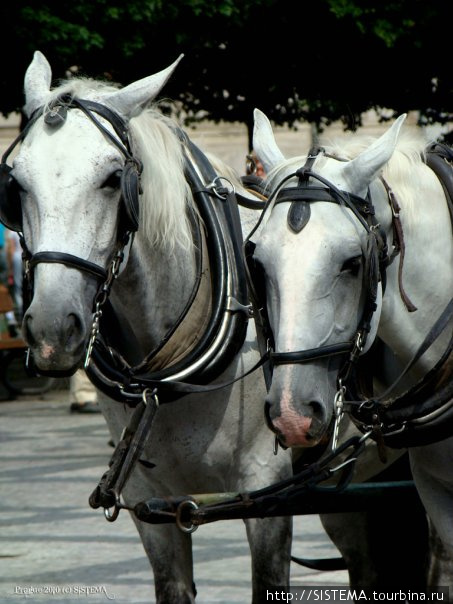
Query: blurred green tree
point(316, 61)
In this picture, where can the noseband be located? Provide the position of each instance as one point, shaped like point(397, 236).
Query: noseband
point(300, 197)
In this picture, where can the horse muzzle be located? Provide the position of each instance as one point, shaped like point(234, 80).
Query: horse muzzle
point(57, 344)
point(303, 425)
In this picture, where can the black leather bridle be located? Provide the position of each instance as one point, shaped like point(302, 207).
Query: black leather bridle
point(300, 197)
point(55, 117)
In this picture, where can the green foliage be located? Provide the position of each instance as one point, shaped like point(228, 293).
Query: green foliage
point(318, 61)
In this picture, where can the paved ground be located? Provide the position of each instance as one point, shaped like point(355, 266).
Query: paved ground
point(54, 547)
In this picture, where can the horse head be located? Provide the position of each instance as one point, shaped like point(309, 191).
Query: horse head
point(313, 252)
point(74, 189)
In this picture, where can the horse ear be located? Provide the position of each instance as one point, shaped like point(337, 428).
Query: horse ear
point(38, 78)
point(132, 98)
point(264, 142)
point(365, 167)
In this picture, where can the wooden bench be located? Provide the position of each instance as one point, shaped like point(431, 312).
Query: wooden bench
point(6, 304)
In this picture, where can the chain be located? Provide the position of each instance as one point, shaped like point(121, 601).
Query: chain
point(339, 412)
point(101, 298)
point(94, 333)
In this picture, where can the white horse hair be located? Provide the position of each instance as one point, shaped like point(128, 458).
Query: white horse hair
point(213, 442)
point(314, 296)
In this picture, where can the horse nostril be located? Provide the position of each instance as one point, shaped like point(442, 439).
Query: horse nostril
point(73, 329)
point(319, 415)
point(319, 411)
point(315, 407)
point(72, 324)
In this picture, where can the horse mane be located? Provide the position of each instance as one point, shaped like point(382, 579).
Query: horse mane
point(166, 193)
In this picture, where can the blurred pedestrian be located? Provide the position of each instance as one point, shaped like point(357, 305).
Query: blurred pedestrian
point(254, 165)
point(15, 270)
point(83, 395)
point(7, 302)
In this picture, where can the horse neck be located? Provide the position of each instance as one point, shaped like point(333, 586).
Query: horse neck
point(428, 258)
point(153, 290)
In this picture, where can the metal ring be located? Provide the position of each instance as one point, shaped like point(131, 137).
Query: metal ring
point(218, 182)
point(150, 392)
point(185, 528)
point(111, 516)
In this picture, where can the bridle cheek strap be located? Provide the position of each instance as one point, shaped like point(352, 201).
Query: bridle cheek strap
point(374, 323)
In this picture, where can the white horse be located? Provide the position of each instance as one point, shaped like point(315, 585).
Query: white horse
point(319, 248)
point(75, 180)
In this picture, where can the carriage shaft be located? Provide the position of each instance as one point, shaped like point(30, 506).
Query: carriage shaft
point(204, 509)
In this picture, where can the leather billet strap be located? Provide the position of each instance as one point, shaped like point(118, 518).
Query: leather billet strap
point(399, 245)
point(304, 173)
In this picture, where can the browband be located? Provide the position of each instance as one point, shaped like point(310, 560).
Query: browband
point(310, 193)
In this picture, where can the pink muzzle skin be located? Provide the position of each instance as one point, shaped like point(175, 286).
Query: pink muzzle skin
point(294, 433)
point(293, 428)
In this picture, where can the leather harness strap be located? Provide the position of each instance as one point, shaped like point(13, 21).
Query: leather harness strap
point(400, 247)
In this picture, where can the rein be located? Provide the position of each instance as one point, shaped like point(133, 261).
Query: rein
point(188, 512)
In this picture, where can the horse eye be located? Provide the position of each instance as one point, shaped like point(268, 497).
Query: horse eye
point(113, 181)
point(352, 265)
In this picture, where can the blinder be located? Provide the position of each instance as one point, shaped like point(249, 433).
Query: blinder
point(130, 192)
point(257, 290)
point(10, 202)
